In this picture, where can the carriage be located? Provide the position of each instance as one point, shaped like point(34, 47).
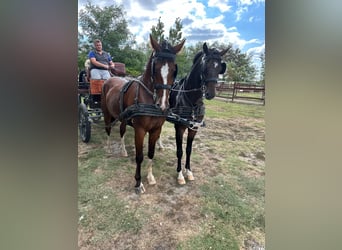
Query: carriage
point(89, 100)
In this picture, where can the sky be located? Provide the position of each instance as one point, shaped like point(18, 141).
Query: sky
point(240, 22)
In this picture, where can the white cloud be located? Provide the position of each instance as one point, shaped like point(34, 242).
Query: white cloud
point(243, 6)
point(250, 2)
point(222, 5)
point(255, 52)
point(245, 2)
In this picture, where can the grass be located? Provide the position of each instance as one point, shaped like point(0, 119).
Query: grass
point(214, 236)
point(233, 201)
point(223, 110)
point(230, 203)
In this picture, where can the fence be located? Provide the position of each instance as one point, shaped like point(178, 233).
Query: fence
point(238, 90)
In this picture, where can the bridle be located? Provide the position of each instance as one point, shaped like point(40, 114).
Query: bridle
point(162, 55)
point(204, 61)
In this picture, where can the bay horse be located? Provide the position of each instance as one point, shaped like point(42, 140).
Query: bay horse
point(142, 103)
point(186, 101)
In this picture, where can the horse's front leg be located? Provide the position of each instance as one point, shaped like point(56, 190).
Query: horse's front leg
point(153, 138)
point(139, 157)
point(179, 142)
point(122, 136)
point(190, 139)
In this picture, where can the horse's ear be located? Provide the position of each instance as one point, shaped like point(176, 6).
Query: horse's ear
point(155, 45)
point(179, 46)
point(223, 68)
point(205, 48)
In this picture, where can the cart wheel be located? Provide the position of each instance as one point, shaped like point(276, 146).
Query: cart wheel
point(84, 123)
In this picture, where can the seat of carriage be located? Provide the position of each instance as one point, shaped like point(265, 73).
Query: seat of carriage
point(94, 85)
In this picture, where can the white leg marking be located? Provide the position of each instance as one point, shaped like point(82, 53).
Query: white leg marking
point(123, 147)
point(150, 177)
point(180, 178)
point(142, 188)
point(160, 144)
point(189, 175)
point(215, 64)
point(109, 150)
point(164, 73)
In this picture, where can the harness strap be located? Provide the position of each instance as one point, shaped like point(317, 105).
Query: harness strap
point(186, 114)
point(126, 87)
point(210, 80)
point(165, 55)
point(176, 119)
point(162, 86)
point(142, 109)
point(139, 109)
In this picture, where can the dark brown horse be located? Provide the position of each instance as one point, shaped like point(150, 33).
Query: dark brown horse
point(142, 103)
point(186, 101)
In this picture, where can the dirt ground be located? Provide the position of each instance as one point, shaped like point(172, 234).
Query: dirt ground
point(175, 212)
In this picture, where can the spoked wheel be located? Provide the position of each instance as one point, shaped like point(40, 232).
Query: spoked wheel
point(84, 123)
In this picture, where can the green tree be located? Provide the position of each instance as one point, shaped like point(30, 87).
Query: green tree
point(240, 67)
point(175, 32)
point(157, 31)
point(107, 23)
point(262, 69)
point(111, 27)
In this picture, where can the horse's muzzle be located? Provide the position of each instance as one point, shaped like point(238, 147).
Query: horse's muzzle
point(209, 95)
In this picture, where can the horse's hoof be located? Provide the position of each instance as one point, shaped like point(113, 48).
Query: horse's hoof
point(151, 180)
point(181, 181)
point(190, 176)
point(140, 189)
point(124, 153)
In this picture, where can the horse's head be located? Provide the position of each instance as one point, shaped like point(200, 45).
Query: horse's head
point(163, 69)
point(211, 67)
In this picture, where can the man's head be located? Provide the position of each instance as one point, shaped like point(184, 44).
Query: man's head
point(98, 44)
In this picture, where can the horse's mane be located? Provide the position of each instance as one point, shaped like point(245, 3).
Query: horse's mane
point(198, 55)
point(148, 67)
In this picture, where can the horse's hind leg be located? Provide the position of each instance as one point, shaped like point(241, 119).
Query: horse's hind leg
point(122, 135)
point(190, 139)
point(160, 144)
point(108, 127)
